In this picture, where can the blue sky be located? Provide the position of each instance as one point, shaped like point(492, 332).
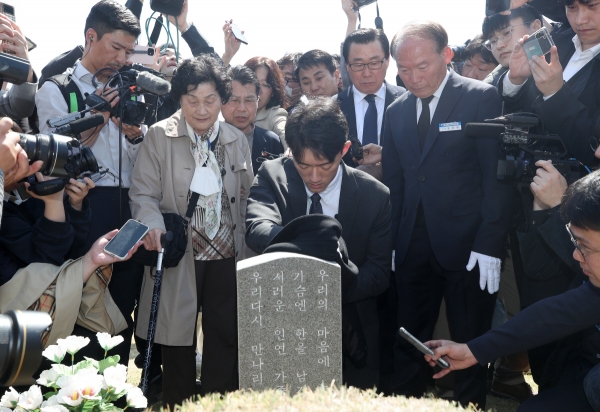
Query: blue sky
point(272, 27)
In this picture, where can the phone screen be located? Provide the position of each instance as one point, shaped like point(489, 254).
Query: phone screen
point(496, 6)
point(131, 233)
point(237, 33)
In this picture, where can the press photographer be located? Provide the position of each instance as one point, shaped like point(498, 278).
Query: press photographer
point(110, 34)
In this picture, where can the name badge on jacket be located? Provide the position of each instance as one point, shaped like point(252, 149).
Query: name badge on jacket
point(448, 127)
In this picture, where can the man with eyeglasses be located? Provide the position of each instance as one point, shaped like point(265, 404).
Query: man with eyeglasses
point(367, 56)
point(563, 88)
point(502, 32)
point(572, 316)
point(240, 111)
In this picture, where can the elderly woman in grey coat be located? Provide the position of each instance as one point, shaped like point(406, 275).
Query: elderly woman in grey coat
point(193, 151)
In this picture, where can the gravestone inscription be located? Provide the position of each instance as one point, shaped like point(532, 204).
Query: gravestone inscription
point(289, 322)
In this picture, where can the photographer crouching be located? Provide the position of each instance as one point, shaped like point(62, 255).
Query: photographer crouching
point(110, 34)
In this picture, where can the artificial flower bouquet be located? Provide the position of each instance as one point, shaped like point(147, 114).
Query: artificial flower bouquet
point(88, 386)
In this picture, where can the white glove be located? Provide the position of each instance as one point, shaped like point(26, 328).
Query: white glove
point(489, 271)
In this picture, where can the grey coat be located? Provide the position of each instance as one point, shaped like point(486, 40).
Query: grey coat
point(161, 179)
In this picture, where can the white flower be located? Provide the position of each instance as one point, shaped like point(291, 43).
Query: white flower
point(107, 342)
point(54, 408)
point(72, 344)
point(70, 395)
point(116, 378)
point(55, 353)
point(31, 399)
point(51, 401)
point(48, 378)
point(4, 409)
point(90, 386)
point(136, 398)
point(10, 398)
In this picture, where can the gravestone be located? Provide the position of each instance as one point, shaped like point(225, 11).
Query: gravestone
point(289, 322)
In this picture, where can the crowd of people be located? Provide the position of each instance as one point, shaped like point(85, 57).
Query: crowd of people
point(432, 235)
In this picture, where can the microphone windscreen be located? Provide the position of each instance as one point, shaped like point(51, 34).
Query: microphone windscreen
point(484, 130)
point(86, 123)
point(153, 84)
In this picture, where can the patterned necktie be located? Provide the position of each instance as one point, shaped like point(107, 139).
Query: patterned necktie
point(370, 122)
point(424, 120)
point(315, 206)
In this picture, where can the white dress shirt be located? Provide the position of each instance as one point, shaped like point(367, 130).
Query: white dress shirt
point(434, 102)
point(361, 106)
point(579, 59)
point(51, 103)
point(330, 197)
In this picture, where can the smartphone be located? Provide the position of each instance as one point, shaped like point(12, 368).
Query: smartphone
point(131, 233)
point(8, 11)
point(363, 3)
point(422, 348)
point(496, 6)
point(142, 54)
point(237, 33)
point(538, 44)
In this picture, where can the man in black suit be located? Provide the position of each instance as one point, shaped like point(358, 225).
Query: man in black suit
point(564, 92)
point(240, 111)
point(367, 56)
point(449, 211)
point(315, 180)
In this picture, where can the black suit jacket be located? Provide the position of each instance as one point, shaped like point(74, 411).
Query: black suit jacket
point(346, 101)
point(573, 111)
point(466, 207)
point(278, 196)
point(264, 141)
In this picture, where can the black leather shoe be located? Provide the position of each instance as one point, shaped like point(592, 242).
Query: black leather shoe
point(519, 392)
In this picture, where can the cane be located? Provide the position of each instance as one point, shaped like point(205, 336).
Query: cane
point(165, 239)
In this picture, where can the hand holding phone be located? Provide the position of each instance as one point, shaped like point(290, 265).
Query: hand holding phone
point(538, 44)
point(422, 348)
point(129, 235)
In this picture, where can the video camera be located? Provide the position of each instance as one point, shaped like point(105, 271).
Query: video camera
point(521, 149)
point(130, 83)
point(21, 346)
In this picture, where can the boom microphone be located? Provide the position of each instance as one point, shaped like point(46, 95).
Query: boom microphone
point(484, 130)
point(81, 125)
point(153, 84)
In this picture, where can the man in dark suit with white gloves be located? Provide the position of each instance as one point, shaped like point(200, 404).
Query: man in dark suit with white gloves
point(449, 212)
point(367, 56)
point(315, 180)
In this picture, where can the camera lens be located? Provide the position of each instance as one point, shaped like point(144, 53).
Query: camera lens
point(53, 150)
point(21, 346)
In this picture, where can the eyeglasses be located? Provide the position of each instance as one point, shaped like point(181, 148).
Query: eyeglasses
point(578, 246)
point(248, 101)
point(359, 67)
point(506, 35)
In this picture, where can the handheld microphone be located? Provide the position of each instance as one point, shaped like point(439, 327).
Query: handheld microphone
point(81, 125)
point(153, 84)
point(484, 130)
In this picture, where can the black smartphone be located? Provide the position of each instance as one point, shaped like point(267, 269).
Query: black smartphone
point(422, 348)
point(538, 44)
point(363, 3)
point(496, 6)
point(131, 233)
point(8, 11)
point(237, 33)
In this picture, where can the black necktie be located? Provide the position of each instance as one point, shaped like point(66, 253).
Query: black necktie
point(370, 122)
point(424, 120)
point(315, 206)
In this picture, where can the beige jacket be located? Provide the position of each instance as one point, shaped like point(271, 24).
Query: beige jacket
point(273, 119)
point(160, 183)
point(89, 306)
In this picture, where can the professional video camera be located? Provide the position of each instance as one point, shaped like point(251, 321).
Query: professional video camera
point(129, 83)
point(21, 346)
point(521, 149)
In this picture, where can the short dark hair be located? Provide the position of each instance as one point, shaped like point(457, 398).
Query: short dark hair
point(315, 58)
point(318, 125)
point(365, 36)
point(274, 79)
point(204, 69)
point(570, 2)
point(581, 203)
point(108, 16)
point(245, 75)
point(497, 22)
point(429, 30)
point(289, 58)
point(476, 47)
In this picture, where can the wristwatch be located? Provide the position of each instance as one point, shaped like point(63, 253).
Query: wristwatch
point(135, 140)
